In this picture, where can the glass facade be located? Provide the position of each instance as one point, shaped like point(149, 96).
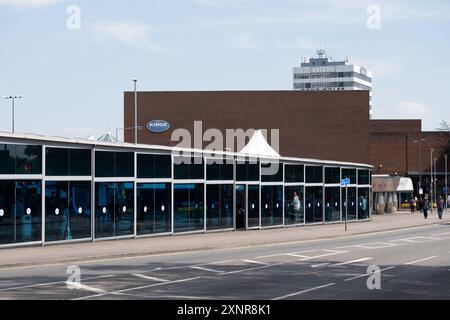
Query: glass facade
point(188, 199)
point(294, 211)
point(219, 206)
point(332, 204)
point(172, 194)
point(271, 205)
point(313, 204)
point(67, 210)
point(153, 208)
point(114, 209)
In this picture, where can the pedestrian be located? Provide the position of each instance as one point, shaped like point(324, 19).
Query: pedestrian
point(440, 207)
point(412, 205)
point(421, 204)
point(426, 206)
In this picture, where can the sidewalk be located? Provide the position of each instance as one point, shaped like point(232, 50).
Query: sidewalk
point(66, 253)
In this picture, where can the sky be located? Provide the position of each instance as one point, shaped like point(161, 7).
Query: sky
point(72, 60)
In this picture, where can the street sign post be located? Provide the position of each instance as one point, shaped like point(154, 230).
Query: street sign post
point(345, 182)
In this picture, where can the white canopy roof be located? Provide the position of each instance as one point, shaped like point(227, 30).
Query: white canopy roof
point(259, 146)
point(405, 185)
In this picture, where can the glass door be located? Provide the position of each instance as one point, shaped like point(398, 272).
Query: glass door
point(241, 210)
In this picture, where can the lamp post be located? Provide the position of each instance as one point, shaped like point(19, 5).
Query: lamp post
point(446, 185)
point(431, 178)
point(420, 160)
point(126, 128)
point(135, 110)
point(13, 98)
point(435, 181)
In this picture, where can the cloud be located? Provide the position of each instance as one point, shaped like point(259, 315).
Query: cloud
point(134, 34)
point(28, 3)
point(411, 108)
point(242, 40)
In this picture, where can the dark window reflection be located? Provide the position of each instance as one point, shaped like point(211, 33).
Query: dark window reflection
point(28, 211)
point(271, 205)
point(188, 207)
point(114, 211)
point(219, 169)
point(189, 168)
point(219, 206)
point(314, 174)
point(253, 205)
point(363, 177)
point(313, 204)
point(294, 173)
point(154, 166)
point(153, 208)
point(20, 159)
point(272, 172)
point(332, 204)
point(247, 170)
point(332, 175)
point(351, 202)
point(349, 173)
point(114, 164)
point(363, 203)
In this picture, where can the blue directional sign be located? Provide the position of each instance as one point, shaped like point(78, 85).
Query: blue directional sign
point(345, 182)
point(445, 190)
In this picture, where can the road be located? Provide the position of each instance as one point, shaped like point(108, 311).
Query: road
point(413, 263)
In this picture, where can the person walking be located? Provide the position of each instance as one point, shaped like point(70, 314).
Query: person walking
point(412, 205)
point(440, 208)
point(426, 206)
point(420, 204)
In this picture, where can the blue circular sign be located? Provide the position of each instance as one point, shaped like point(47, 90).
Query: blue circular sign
point(158, 126)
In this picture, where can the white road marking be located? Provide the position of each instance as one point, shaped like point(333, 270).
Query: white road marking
point(255, 262)
point(51, 283)
point(424, 259)
point(206, 269)
point(136, 288)
point(296, 255)
point(352, 261)
point(368, 274)
point(375, 245)
point(143, 276)
point(331, 253)
point(221, 262)
point(250, 269)
point(304, 291)
point(80, 286)
point(320, 265)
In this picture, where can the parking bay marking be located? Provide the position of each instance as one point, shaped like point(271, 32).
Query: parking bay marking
point(143, 276)
point(417, 261)
point(303, 291)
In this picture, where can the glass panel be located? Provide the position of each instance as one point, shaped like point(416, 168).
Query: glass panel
point(124, 214)
point(351, 213)
point(28, 159)
point(190, 168)
point(7, 196)
point(363, 203)
point(219, 169)
point(28, 211)
point(253, 205)
point(57, 162)
point(80, 163)
point(272, 172)
point(294, 173)
point(153, 200)
point(313, 204)
point(105, 203)
point(7, 159)
point(271, 204)
point(349, 173)
point(247, 170)
point(293, 204)
point(314, 174)
point(154, 166)
point(56, 211)
point(104, 164)
point(332, 204)
point(196, 214)
point(181, 206)
point(332, 175)
point(219, 206)
point(188, 207)
point(241, 212)
point(363, 177)
point(124, 164)
point(80, 210)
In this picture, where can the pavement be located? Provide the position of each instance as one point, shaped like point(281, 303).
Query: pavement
point(410, 261)
point(114, 249)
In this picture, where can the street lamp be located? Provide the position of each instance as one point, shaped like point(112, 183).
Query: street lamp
point(135, 110)
point(435, 181)
point(13, 98)
point(431, 177)
point(420, 160)
point(126, 128)
point(446, 185)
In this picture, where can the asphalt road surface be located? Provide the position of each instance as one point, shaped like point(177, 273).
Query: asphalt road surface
point(410, 264)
